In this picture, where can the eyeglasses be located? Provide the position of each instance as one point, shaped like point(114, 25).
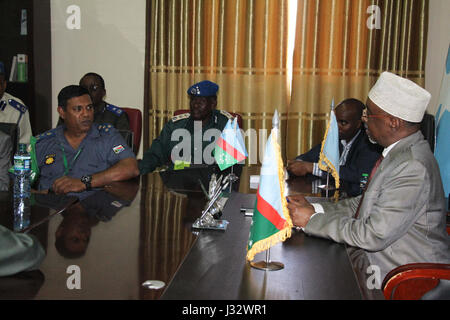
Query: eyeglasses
point(367, 116)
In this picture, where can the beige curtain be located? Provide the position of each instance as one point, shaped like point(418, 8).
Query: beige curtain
point(239, 44)
point(340, 52)
point(243, 46)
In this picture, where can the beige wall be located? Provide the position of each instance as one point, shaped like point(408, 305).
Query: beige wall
point(437, 47)
point(110, 41)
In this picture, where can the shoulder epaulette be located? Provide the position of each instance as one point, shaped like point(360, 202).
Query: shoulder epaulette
point(2, 105)
point(105, 128)
point(18, 106)
point(46, 135)
point(116, 110)
point(181, 116)
point(226, 114)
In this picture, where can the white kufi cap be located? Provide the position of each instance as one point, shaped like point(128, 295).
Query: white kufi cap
point(400, 97)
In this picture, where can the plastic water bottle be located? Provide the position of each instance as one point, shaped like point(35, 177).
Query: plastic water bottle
point(22, 170)
point(363, 181)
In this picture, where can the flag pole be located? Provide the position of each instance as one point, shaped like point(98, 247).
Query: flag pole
point(232, 176)
point(270, 265)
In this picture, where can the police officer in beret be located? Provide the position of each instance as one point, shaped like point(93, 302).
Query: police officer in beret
point(104, 112)
point(13, 110)
point(79, 155)
point(202, 117)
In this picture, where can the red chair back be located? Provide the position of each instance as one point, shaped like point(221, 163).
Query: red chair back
point(135, 119)
point(412, 281)
point(239, 117)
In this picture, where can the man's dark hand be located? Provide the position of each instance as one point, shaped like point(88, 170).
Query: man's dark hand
point(299, 168)
point(300, 210)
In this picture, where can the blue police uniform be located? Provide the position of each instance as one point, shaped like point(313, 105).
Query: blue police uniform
point(102, 147)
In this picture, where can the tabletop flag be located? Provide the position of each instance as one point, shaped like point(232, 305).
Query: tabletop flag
point(230, 147)
point(442, 148)
point(271, 221)
point(329, 152)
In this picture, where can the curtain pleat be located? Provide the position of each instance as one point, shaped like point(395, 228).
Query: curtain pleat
point(337, 56)
point(239, 44)
point(242, 46)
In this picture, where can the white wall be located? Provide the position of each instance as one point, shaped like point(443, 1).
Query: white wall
point(437, 47)
point(110, 41)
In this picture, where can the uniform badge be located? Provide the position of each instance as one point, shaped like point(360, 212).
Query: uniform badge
point(118, 149)
point(49, 159)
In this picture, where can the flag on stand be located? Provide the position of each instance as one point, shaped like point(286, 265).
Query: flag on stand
point(271, 221)
point(230, 147)
point(329, 152)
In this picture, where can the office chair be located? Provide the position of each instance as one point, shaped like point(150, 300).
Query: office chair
point(428, 128)
point(135, 120)
point(12, 130)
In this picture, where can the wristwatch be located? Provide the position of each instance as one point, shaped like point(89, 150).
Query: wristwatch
point(87, 181)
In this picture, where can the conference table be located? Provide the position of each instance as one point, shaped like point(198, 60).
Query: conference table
point(139, 244)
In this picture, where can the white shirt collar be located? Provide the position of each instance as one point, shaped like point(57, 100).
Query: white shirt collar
point(389, 148)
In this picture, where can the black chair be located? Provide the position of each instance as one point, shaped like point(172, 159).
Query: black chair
point(428, 128)
point(11, 130)
point(128, 136)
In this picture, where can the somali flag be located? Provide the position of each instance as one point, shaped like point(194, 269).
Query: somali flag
point(329, 152)
point(271, 221)
point(442, 149)
point(230, 147)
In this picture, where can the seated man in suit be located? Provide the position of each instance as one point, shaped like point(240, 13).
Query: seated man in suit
point(191, 129)
point(5, 160)
point(358, 155)
point(400, 218)
point(13, 110)
point(104, 112)
point(78, 155)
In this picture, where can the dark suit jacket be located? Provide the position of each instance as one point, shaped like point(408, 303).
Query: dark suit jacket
point(360, 159)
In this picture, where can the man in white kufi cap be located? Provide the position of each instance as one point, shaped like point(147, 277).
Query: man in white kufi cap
point(400, 218)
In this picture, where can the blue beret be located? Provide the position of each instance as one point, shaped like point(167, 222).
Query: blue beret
point(2, 68)
point(203, 89)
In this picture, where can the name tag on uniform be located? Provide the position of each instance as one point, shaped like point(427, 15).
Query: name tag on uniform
point(118, 149)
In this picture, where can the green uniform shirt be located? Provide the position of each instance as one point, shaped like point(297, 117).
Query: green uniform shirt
point(160, 151)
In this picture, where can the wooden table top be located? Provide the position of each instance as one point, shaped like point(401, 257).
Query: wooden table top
point(141, 230)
